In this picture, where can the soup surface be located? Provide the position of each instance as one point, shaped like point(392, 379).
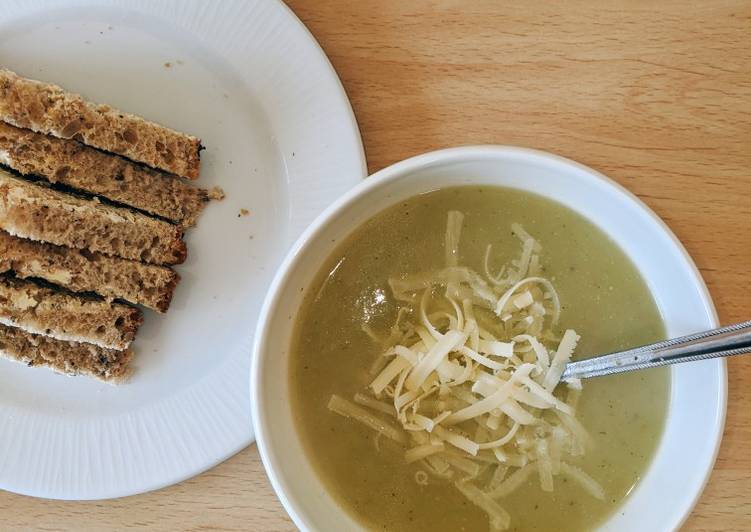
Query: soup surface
point(602, 297)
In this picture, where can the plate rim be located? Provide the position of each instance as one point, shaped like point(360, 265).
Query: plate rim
point(356, 159)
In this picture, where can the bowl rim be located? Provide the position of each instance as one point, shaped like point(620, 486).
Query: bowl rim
point(399, 170)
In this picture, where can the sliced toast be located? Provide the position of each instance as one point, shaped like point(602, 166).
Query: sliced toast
point(64, 316)
point(80, 271)
point(68, 358)
point(49, 109)
point(82, 168)
point(33, 211)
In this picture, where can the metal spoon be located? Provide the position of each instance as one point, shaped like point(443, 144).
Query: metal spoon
point(723, 342)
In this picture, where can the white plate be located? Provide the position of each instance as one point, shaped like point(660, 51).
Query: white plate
point(281, 140)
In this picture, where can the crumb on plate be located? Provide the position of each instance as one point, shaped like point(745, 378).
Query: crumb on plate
point(216, 193)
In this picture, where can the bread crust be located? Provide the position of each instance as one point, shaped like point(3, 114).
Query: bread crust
point(47, 108)
point(32, 211)
point(68, 358)
point(86, 169)
point(78, 271)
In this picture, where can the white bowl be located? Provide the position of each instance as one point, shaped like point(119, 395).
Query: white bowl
point(686, 453)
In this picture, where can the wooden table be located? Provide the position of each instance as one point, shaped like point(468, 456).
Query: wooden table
point(658, 98)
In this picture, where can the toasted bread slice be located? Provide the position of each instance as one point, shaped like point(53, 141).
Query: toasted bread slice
point(29, 210)
point(80, 167)
point(80, 271)
point(64, 316)
point(68, 358)
point(47, 108)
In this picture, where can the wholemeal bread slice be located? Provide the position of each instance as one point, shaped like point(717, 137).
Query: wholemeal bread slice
point(81, 271)
point(64, 316)
point(80, 167)
point(68, 358)
point(39, 213)
point(47, 108)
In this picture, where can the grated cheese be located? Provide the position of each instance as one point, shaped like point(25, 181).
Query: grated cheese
point(422, 451)
point(471, 372)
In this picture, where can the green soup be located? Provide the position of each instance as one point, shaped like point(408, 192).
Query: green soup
point(603, 298)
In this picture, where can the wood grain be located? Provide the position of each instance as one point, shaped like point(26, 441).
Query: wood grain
point(655, 95)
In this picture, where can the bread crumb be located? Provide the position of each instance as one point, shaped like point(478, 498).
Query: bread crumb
point(167, 65)
point(243, 212)
point(216, 193)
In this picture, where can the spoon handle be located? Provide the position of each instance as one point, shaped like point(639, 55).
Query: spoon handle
point(723, 342)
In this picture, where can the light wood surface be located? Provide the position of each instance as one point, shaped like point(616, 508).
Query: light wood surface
point(655, 95)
